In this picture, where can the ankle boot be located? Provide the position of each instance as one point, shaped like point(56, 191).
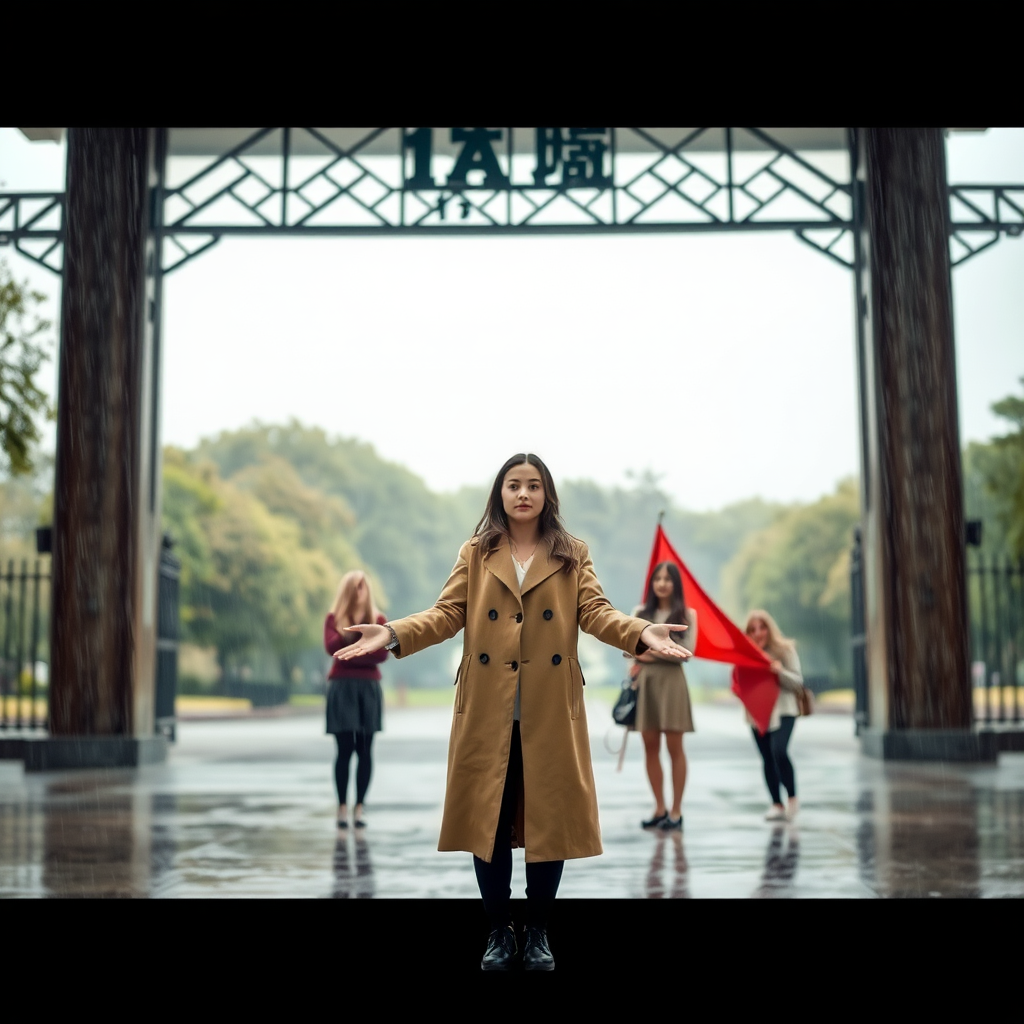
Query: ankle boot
point(536, 951)
point(501, 950)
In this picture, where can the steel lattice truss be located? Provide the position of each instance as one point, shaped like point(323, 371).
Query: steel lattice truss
point(33, 222)
point(603, 182)
point(308, 181)
point(980, 215)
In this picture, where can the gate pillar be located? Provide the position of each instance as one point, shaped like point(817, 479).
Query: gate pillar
point(919, 695)
point(106, 537)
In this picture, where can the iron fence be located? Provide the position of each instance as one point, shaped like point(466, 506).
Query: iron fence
point(996, 592)
point(168, 633)
point(858, 635)
point(24, 633)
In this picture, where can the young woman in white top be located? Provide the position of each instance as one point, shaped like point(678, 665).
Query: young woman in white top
point(519, 769)
point(778, 769)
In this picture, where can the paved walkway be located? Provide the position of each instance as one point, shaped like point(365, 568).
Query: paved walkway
point(246, 808)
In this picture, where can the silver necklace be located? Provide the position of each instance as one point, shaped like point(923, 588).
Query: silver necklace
point(522, 561)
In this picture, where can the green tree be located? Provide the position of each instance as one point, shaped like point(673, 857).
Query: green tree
point(403, 531)
point(404, 534)
point(1000, 465)
point(190, 500)
point(26, 501)
point(979, 502)
point(325, 521)
point(343, 502)
point(249, 585)
point(23, 349)
point(798, 569)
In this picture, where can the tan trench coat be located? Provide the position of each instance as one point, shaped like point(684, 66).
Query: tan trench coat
point(531, 637)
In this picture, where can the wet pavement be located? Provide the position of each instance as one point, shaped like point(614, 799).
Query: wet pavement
point(246, 809)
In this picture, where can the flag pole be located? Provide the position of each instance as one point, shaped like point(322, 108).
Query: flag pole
point(661, 515)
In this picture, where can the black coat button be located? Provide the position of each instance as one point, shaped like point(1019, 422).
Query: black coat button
point(519, 616)
point(515, 666)
point(556, 660)
point(547, 615)
point(484, 659)
point(492, 615)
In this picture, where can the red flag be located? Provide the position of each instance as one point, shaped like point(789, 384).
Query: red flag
point(758, 689)
point(719, 639)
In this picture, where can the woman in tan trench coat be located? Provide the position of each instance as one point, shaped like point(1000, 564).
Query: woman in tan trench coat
point(519, 771)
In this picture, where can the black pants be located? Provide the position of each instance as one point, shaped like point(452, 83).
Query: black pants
point(495, 879)
point(777, 765)
point(350, 743)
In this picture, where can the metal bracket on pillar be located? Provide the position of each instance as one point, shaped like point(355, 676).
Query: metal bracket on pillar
point(980, 215)
point(33, 222)
point(177, 250)
point(827, 242)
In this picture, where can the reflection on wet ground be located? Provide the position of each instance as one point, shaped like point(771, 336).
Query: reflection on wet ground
point(353, 871)
point(667, 875)
point(780, 861)
point(246, 809)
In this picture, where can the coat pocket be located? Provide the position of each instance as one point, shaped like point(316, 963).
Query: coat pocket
point(460, 684)
point(576, 684)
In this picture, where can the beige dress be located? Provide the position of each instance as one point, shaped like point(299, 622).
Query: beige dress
point(663, 698)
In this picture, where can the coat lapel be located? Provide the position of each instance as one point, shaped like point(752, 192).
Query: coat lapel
point(499, 563)
point(542, 566)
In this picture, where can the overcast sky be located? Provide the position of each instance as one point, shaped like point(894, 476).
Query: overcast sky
point(723, 363)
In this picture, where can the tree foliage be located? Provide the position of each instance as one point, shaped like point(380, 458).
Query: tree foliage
point(404, 532)
point(254, 578)
point(266, 519)
point(798, 569)
point(23, 350)
point(999, 465)
point(270, 515)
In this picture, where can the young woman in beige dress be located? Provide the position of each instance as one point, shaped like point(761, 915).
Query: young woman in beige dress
point(663, 698)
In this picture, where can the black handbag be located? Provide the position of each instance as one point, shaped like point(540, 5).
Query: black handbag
point(624, 711)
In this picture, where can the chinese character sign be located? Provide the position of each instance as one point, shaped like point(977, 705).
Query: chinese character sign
point(563, 158)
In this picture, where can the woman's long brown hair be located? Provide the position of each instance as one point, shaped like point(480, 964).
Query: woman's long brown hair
point(493, 523)
point(678, 610)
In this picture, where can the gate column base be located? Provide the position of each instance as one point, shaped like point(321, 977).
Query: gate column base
point(57, 753)
point(1008, 739)
point(929, 745)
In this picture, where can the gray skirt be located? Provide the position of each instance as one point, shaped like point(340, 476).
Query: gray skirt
point(354, 705)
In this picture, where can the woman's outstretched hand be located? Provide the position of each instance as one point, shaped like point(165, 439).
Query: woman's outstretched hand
point(371, 638)
point(658, 637)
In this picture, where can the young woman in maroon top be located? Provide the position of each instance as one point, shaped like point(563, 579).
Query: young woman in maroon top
point(355, 701)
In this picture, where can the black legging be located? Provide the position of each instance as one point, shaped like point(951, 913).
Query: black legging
point(495, 879)
point(350, 743)
point(777, 765)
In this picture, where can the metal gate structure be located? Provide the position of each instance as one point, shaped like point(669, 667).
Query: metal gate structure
point(352, 181)
point(207, 184)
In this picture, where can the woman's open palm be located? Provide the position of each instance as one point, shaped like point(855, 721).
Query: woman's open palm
point(658, 637)
point(372, 638)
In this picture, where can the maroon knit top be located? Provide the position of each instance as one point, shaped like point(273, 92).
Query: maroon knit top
point(363, 667)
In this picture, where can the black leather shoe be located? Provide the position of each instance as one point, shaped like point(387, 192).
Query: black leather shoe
point(656, 822)
point(536, 951)
point(501, 950)
point(668, 825)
